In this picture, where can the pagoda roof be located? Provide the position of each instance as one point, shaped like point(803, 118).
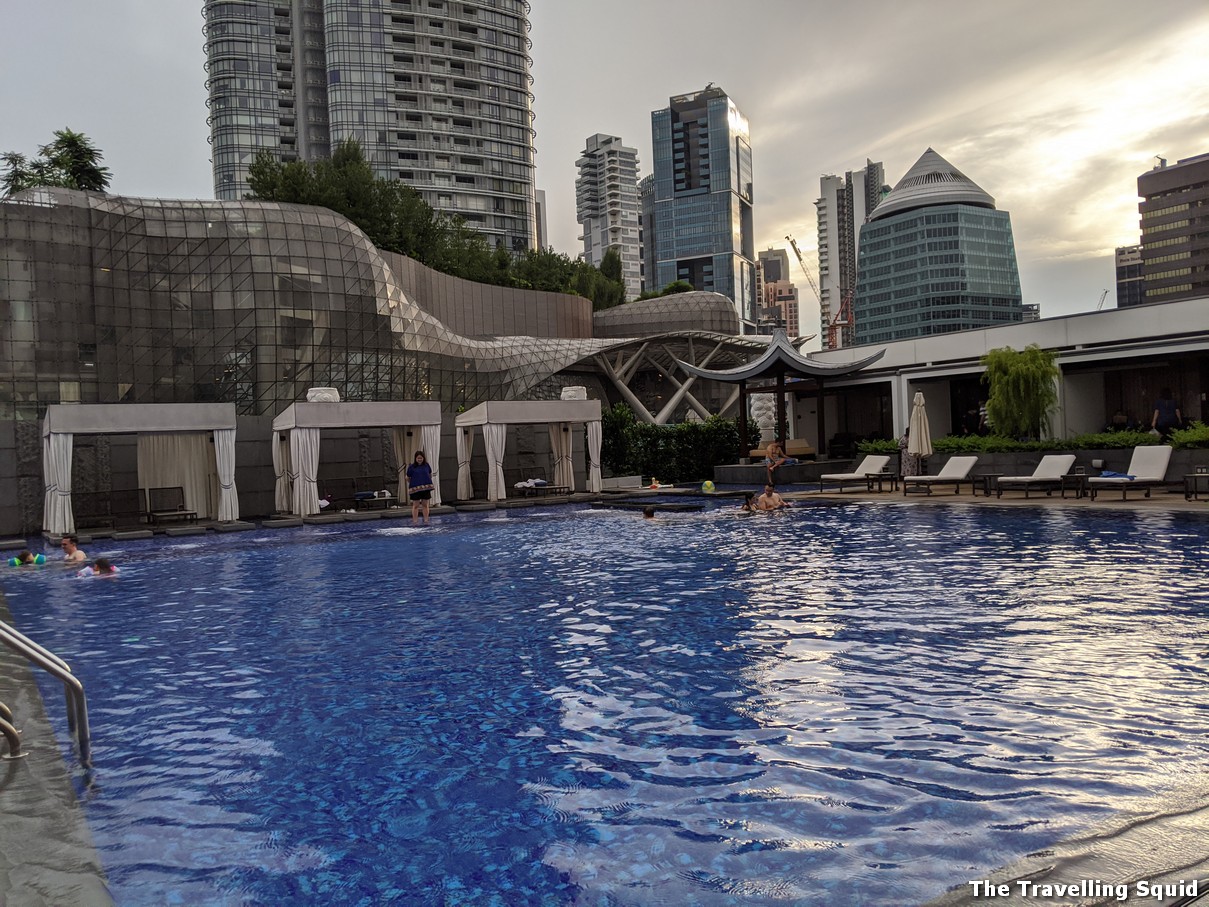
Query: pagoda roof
point(781, 358)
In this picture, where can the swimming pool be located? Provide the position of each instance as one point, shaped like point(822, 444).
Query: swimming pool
point(848, 704)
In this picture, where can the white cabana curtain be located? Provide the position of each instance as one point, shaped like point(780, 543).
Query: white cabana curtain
point(496, 437)
point(562, 448)
point(594, 439)
point(465, 447)
point(57, 516)
point(224, 462)
point(282, 500)
point(184, 459)
point(304, 461)
point(432, 450)
point(405, 453)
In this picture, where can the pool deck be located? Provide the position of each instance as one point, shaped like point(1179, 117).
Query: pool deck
point(47, 857)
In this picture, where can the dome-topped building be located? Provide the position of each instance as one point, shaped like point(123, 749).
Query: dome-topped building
point(932, 181)
point(935, 256)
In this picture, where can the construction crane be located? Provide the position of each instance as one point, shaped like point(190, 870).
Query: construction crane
point(1100, 304)
point(805, 270)
point(842, 318)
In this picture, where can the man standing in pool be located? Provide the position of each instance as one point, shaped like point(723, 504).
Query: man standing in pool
point(419, 486)
point(71, 550)
point(770, 500)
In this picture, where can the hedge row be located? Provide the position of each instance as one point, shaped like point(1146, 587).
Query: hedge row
point(1196, 436)
point(670, 453)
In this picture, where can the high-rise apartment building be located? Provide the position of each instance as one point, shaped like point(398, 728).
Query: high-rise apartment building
point(436, 92)
point(843, 205)
point(702, 204)
point(1175, 229)
point(935, 257)
point(778, 297)
point(1131, 288)
point(543, 231)
point(606, 206)
point(646, 231)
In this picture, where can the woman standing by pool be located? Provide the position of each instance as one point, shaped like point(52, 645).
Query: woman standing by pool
point(419, 486)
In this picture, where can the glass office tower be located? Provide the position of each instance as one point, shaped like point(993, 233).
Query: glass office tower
point(702, 202)
point(935, 257)
point(437, 93)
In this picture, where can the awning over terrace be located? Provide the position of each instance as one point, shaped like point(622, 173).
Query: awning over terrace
point(496, 415)
point(416, 426)
point(172, 451)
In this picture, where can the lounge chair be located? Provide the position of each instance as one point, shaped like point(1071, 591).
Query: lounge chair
point(871, 465)
point(1147, 466)
point(956, 471)
point(1046, 477)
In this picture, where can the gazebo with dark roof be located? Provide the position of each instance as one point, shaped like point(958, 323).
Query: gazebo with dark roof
point(780, 361)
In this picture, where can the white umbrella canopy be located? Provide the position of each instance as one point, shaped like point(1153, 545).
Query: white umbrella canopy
point(920, 441)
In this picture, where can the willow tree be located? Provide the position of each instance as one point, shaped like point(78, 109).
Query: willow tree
point(1023, 390)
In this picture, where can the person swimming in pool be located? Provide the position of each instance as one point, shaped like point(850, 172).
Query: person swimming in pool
point(100, 567)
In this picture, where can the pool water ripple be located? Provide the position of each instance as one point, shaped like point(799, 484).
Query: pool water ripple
point(843, 704)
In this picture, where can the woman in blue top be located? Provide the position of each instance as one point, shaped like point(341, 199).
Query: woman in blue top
point(419, 486)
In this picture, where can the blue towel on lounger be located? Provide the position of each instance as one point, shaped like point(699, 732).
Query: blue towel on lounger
point(1109, 474)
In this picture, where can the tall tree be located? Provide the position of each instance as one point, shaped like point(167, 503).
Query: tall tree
point(71, 161)
point(1022, 390)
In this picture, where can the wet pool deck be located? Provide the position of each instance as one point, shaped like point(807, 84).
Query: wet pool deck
point(47, 858)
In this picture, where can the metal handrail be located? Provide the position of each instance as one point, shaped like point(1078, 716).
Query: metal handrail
point(13, 736)
point(77, 705)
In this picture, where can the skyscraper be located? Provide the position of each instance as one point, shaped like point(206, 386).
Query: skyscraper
point(778, 297)
point(437, 93)
point(1131, 288)
point(935, 257)
point(1175, 229)
point(842, 206)
point(606, 206)
point(702, 198)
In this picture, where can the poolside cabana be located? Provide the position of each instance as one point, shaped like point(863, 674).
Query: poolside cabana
point(296, 429)
point(173, 450)
point(496, 415)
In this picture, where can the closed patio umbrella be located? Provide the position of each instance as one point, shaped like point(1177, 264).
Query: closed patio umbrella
point(920, 441)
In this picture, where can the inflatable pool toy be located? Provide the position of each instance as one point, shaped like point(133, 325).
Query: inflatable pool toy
point(707, 486)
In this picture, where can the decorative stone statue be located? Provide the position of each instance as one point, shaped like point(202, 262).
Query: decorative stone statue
point(323, 395)
point(764, 414)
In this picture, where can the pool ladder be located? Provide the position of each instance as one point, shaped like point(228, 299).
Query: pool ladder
point(73, 690)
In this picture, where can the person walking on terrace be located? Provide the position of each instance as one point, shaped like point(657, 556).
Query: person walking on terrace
point(419, 486)
point(1167, 417)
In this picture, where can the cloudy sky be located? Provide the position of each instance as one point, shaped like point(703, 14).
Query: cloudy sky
point(1052, 106)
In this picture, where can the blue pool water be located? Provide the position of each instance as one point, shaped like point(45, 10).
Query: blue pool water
point(852, 704)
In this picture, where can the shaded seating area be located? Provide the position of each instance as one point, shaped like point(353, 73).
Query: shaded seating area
point(186, 446)
point(872, 465)
point(165, 505)
point(954, 472)
point(415, 425)
point(1046, 477)
point(1147, 470)
point(495, 416)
